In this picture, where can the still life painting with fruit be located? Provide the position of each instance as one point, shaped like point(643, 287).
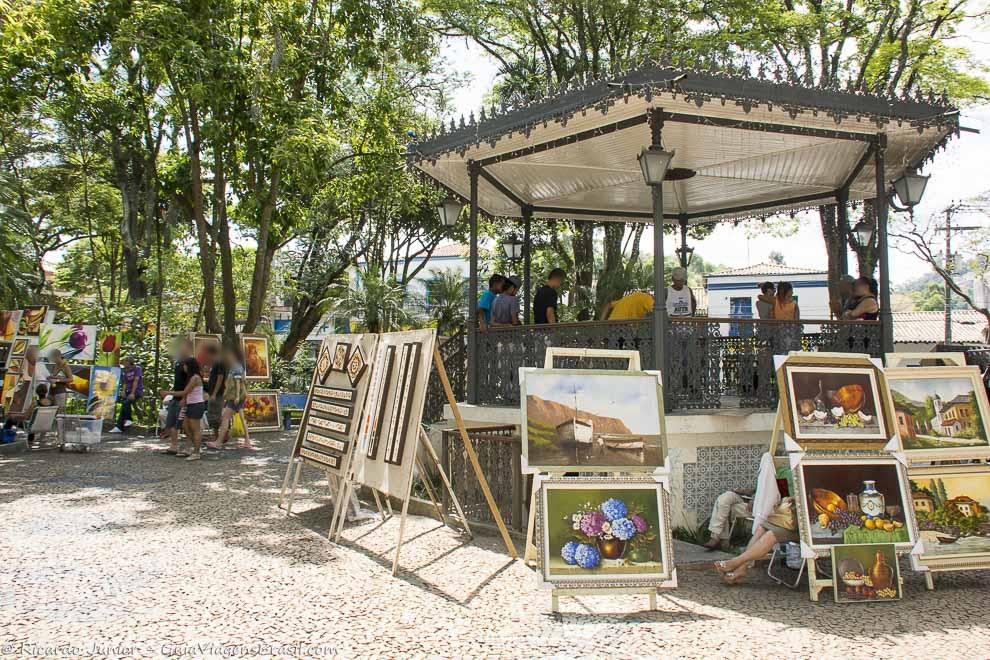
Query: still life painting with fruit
point(867, 572)
point(602, 531)
point(261, 410)
point(848, 502)
point(835, 404)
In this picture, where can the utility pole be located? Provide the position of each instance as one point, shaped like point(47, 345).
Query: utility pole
point(948, 229)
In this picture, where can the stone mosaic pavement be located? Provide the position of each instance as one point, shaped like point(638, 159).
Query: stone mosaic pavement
point(126, 552)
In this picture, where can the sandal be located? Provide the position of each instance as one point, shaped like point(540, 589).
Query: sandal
point(182, 454)
point(170, 452)
point(194, 457)
point(721, 567)
point(732, 578)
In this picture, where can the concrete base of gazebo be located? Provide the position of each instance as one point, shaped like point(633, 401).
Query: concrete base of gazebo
point(713, 450)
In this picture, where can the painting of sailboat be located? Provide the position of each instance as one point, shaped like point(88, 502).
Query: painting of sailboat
point(588, 419)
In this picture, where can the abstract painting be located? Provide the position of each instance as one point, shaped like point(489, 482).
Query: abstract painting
point(389, 428)
point(257, 365)
point(853, 499)
point(201, 351)
point(603, 532)
point(952, 507)
point(596, 420)
point(103, 387)
point(10, 321)
point(75, 342)
point(261, 411)
point(108, 348)
point(865, 573)
point(833, 407)
point(940, 411)
point(32, 319)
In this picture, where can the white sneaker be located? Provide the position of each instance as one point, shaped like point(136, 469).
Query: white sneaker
point(127, 423)
point(115, 430)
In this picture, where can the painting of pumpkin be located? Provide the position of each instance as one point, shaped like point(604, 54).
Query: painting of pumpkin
point(834, 404)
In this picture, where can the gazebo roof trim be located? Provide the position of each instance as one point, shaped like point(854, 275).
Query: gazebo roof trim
point(694, 84)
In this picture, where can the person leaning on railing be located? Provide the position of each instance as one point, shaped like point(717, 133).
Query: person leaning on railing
point(634, 305)
point(865, 294)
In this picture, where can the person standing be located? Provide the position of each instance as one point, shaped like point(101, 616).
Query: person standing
point(235, 394)
point(61, 376)
point(194, 403)
point(846, 298)
point(215, 385)
point(133, 380)
point(547, 297)
point(764, 301)
point(785, 307)
point(678, 298)
point(183, 354)
point(505, 309)
point(866, 307)
point(635, 305)
point(495, 285)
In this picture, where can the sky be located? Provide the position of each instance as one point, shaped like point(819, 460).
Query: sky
point(959, 173)
point(947, 388)
point(624, 397)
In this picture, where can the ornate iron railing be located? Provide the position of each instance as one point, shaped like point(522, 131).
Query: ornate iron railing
point(453, 350)
point(710, 362)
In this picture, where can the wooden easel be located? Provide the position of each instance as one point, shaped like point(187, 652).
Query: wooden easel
point(424, 441)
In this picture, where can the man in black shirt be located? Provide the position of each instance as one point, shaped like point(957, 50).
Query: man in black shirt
point(215, 387)
point(183, 354)
point(545, 300)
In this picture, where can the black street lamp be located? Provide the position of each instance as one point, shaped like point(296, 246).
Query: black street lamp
point(863, 233)
point(513, 248)
point(448, 210)
point(685, 252)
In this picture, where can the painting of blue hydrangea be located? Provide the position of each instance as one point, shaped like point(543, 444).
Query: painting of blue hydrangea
point(602, 532)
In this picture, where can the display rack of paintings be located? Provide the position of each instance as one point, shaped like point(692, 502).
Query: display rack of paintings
point(600, 534)
point(330, 419)
point(261, 411)
point(257, 365)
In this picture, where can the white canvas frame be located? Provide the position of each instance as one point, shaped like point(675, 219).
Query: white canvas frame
point(955, 562)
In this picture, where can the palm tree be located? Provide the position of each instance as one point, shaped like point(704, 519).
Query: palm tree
point(447, 294)
point(376, 303)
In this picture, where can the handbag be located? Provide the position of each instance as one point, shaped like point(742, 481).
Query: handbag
point(783, 515)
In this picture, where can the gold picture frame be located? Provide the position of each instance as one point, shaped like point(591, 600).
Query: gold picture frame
point(945, 480)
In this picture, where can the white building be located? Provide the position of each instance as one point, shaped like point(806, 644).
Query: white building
point(733, 293)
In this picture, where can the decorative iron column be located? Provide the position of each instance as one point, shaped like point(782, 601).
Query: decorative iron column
point(842, 209)
point(472, 384)
point(684, 253)
point(659, 310)
point(527, 213)
point(886, 318)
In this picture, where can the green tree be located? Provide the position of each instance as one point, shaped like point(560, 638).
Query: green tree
point(446, 299)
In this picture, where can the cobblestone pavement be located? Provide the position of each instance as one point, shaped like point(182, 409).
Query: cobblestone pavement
point(128, 552)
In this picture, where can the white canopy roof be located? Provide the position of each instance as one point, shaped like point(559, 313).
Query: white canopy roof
point(756, 147)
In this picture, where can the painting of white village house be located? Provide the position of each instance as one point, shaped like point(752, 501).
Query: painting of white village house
point(937, 413)
point(576, 418)
point(952, 507)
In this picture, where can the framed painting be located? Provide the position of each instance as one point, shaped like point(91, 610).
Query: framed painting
point(14, 365)
point(203, 353)
point(952, 507)
point(940, 412)
point(835, 406)
point(340, 352)
point(389, 425)
point(82, 374)
point(108, 348)
point(4, 353)
point(604, 532)
point(261, 411)
point(596, 420)
point(32, 318)
point(257, 365)
point(9, 383)
point(104, 384)
point(865, 573)
point(853, 499)
point(75, 342)
point(10, 322)
point(19, 346)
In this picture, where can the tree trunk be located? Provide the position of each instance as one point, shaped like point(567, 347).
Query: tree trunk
point(611, 281)
point(207, 259)
point(229, 295)
point(305, 317)
point(835, 243)
point(584, 267)
point(263, 255)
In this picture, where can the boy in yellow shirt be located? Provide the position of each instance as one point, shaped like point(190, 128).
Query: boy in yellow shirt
point(635, 305)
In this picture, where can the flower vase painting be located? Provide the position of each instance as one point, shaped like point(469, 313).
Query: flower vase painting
point(75, 342)
point(604, 532)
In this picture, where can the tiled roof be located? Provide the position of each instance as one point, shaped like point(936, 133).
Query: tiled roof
point(929, 327)
point(452, 250)
point(767, 269)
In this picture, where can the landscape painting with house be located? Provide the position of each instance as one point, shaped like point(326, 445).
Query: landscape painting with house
point(953, 512)
point(937, 413)
point(592, 419)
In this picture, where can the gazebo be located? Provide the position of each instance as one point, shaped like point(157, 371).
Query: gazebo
point(710, 146)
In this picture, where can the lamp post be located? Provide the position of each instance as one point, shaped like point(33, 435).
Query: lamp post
point(654, 161)
point(863, 233)
point(513, 248)
point(909, 188)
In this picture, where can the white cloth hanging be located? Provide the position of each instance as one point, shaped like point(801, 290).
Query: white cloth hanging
point(767, 494)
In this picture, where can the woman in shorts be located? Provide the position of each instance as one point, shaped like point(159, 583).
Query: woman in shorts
point(194, 406)
point(235, 395)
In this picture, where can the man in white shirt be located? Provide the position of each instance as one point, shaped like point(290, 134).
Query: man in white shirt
point(678, 297)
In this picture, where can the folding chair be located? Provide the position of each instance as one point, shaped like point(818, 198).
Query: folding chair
point(42, 421)
point(780, 555)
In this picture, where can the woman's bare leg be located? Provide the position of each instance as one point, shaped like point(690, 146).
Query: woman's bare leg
point(194, 433)
point(246, 443)
point(757, 549)
point(224, 429)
